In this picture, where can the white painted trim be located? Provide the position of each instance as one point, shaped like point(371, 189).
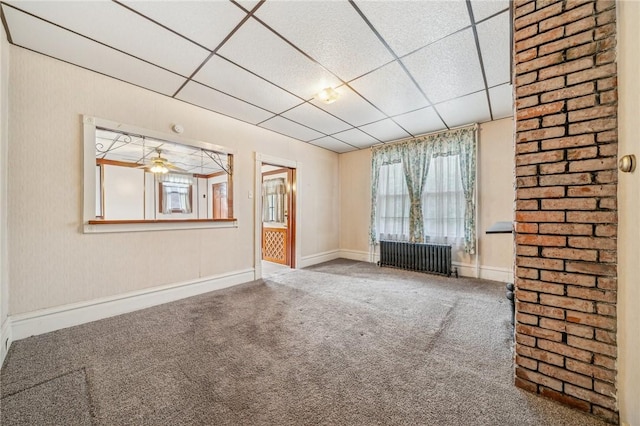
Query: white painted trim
point(102, 228)
point(51, 319)
point(6, 339)
point(90, 124)
point(492, 273)
point(362, 256)
point(314, 259)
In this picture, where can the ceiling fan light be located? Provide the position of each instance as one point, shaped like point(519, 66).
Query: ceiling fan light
point(158, 168)
point(328, 95)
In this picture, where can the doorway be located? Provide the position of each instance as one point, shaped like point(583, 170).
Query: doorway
point(278, 217)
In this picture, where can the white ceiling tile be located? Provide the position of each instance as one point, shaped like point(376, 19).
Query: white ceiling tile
point(501, 101)
point(390, 89)
point(351, 108)
point(484, 8)
point(356, 137)
point(56, 42)
point(289, 128)
point(256, 48)
point(409, 25)
point(332, 144)
point(229, 78)
point(248, 4)
point(213, 100)
point(316, 118)
point(422, 121)
point(385, 130)
point(205, 22)
point(465, 110)
point(449, 68)
point(495, 45)
point(114, 25)
point(347, 46)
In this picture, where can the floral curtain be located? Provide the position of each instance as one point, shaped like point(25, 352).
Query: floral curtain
point(415, 156)
point(467, 157)
point(383, 154)
point(415, 161)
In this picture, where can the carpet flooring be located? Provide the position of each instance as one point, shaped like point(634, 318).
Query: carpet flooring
point(340, 343)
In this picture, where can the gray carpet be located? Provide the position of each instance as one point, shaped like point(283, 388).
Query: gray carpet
point(341, 343)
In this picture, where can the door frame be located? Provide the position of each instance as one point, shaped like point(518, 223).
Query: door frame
point(294, 199)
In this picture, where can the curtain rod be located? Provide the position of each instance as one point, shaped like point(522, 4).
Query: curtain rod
point(437, 132)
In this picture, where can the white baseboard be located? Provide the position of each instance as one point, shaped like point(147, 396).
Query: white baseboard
point(362, 256)
point(314, 259)
point(495, 273)
point(492, 273)
point(5, 339)
point(47, 320)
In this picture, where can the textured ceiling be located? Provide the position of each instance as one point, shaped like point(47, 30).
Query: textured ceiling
point(402, 68)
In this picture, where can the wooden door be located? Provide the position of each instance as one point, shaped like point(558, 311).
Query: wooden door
point(220, 201)
point(278, 242)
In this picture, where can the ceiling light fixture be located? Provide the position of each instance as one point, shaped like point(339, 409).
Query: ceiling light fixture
point(159, 168)
point(328, 95)
point(159, 164)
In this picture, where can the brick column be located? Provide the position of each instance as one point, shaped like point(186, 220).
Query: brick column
point(566, 217)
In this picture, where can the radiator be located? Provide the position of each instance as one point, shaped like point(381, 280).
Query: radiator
point(432, 258)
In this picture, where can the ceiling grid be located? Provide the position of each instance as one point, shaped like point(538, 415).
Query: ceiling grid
point(401, 68)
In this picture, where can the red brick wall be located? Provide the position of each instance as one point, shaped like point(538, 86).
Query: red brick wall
point(566, 217)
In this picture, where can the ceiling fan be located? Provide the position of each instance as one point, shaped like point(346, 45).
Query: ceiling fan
point(160, 165)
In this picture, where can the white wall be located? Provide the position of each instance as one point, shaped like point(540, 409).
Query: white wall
point(52, 263)
point(628, 205)
point(4, 144)
point(495, 202)
point(124, 193)
point(201, 198)
point(209, 190)
point(496, 193)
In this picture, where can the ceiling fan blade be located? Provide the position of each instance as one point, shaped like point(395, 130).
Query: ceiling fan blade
point(175, 168)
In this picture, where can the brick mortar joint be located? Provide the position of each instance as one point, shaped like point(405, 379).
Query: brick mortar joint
point(563, 10)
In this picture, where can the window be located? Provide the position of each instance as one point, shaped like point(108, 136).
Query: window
point(393, 203)
point(424, 190)
point(175, 198)
point(443, 202)
point(273, 203)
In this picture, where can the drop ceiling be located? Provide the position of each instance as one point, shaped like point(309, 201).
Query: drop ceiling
point(140, 150)
point(402, 68)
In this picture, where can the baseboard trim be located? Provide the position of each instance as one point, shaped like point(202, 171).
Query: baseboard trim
point(362, 256)
point(314, 259)
point(492, 273)
point(5, 339)
point(47, 320)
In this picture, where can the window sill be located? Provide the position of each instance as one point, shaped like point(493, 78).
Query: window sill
point(108, 226)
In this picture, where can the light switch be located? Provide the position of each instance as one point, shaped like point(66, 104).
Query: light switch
point(250, 194)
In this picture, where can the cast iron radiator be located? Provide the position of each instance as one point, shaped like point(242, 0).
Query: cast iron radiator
point(432, 258)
